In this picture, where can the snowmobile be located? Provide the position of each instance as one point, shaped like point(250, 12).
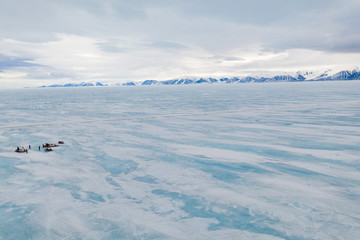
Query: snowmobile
point(47, 145)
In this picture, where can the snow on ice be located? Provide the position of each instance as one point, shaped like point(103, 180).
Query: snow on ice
point(250, 161)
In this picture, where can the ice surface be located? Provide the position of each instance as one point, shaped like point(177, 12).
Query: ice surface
point(250, 161)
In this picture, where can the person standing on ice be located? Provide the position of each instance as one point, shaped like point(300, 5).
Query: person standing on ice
point(29, 146)
point(39, 148)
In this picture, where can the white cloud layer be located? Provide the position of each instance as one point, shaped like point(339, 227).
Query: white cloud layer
point(117, 41)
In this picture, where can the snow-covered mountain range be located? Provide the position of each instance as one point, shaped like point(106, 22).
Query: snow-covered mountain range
point(300, 76)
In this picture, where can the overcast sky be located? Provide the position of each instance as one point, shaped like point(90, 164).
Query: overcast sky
point(44, 42)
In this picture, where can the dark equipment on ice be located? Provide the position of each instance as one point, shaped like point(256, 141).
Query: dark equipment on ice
point(47, 145)
point(21, 149)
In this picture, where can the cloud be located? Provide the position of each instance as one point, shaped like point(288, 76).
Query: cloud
point(166, 45)
point(122, 40)
point(7, 62)
point(112, 46)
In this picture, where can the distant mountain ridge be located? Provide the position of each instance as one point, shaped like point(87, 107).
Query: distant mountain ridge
point(251, 78)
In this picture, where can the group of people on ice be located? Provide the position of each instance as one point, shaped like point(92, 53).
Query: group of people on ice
point(47, 147)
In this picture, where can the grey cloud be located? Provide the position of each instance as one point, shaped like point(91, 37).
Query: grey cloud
point(219, 58)
point(111, 46)
point(211, 24)
point(347, 47)
point(233, 59)
point(49, 76)
point(7, 62)
point(167, 45)
point(281, 24)
point(258, 12)
point(314, 39)
point(40, 20)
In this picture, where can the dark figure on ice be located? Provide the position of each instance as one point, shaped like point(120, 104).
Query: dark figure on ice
point(29, 146)
point(39, 148)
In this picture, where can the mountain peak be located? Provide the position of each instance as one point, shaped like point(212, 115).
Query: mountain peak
point(258, 77)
